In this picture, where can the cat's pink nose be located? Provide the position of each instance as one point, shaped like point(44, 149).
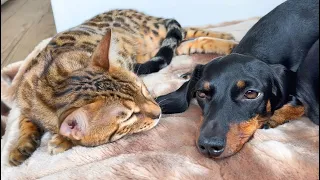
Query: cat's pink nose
point(152, 110)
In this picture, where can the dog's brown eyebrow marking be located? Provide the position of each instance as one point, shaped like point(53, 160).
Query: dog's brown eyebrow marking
point(268, 108)
point(241, 84)
point(206, 86)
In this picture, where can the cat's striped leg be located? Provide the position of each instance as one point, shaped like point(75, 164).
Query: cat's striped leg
point(206, 45)
point(174, 36)
point(28, 142)
point(191, 33)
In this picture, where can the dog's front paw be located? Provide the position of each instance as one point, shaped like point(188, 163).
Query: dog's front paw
point(59, 144)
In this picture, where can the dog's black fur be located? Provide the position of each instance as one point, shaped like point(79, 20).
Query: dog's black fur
point(308, 83)
point(272, 60)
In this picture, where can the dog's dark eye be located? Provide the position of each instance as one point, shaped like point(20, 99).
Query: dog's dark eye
point(186, 76)
point(201, 94)
point(251, 94)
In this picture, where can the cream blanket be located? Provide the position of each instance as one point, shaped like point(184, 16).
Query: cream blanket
point(168, 151)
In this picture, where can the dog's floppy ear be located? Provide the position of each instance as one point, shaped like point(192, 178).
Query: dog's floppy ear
point(283, 81)
point(178, 101)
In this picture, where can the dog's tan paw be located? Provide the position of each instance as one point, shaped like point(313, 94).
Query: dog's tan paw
point(59, 144)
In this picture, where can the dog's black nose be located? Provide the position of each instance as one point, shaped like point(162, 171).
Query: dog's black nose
point(213, 146)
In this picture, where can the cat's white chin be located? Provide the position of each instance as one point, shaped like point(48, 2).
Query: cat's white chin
point(157, 120)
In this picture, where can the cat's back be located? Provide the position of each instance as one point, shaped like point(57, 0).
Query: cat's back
point(76, 45)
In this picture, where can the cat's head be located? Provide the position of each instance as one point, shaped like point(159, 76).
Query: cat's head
point(105, 102)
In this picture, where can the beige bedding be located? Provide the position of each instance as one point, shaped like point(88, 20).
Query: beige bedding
point(168, 151)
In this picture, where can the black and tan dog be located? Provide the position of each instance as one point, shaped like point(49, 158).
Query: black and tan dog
point(267, 78)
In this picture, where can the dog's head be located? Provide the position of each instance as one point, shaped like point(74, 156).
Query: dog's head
point(236, 93)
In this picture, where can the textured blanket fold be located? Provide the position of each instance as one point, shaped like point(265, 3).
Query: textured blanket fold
point(168, 151)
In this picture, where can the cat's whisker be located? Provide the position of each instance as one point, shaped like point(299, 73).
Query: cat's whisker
point(138, 69)
point(162, 101)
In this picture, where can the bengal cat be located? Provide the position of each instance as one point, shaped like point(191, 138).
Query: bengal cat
point(84, 86)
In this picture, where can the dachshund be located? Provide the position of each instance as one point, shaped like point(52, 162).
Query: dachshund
point(271, 76)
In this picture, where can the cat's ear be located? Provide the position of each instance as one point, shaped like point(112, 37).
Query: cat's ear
point(74, 126)
point(100, 57)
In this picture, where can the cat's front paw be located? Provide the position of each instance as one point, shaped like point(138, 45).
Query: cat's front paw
point(227, 36)
point(59, 144)
point(26, 146)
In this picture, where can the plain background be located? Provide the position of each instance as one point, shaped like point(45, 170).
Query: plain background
point(69, 13)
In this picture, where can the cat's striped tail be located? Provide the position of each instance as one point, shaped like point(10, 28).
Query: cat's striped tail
point(175, 34)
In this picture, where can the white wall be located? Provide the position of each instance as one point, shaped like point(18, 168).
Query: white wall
point(69, 13)
point(3, 1)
